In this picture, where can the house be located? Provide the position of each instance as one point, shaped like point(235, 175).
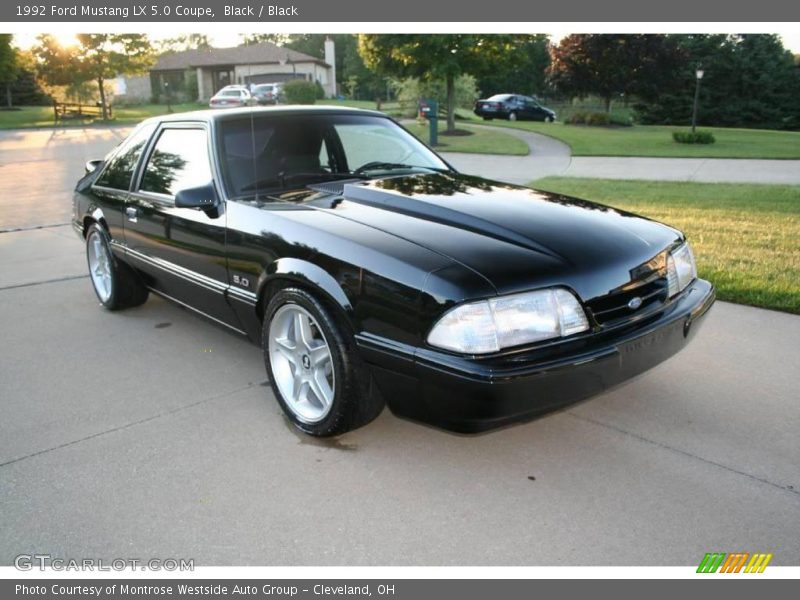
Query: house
point(199, 74)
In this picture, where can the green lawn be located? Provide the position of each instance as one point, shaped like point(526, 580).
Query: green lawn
point(746, 238)
point(656, 140)
point(481, 141)
point(42, 116)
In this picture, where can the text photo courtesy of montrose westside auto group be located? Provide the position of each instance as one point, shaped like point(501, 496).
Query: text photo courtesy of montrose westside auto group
point(281, 297)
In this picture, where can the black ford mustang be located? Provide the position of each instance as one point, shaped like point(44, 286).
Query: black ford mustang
point(369, 270)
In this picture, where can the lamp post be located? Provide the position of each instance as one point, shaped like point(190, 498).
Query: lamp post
point(283, 61)
point(169, 99)
point(698, 76)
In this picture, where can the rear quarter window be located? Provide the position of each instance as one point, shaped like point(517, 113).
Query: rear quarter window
point(119, 169)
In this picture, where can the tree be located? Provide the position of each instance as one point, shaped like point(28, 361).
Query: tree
point(256, 38)
point(749, 80)
point(27, 89)
point(612, 66)
point(97, 57)
point(523, 70)
point(8, 65)
point(350, 66)
point(438, 56)
point(180, 43)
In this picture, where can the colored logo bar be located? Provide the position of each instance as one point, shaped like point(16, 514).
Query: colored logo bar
point(734, 562)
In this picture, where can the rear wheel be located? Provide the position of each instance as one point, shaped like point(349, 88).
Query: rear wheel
point(313, 366)
point(116, 285)
point(512, 116)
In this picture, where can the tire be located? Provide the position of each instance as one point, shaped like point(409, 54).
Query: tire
point(512, 116)
point(549, 120)
point(317, 377)
point(115, 284)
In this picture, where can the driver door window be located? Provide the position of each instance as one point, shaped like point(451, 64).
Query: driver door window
point(178, 161)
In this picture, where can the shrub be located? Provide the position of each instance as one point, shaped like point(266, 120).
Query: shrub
point(576, 118)
point(600, 119)
point(698, 137)
point(319, 90)
point(300, 91)
point(621, 119)
point(597, 119)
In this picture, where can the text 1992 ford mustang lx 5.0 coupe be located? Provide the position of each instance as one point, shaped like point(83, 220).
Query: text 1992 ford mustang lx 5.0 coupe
point(369, 270)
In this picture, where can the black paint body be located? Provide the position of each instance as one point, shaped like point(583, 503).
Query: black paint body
point(390, 256)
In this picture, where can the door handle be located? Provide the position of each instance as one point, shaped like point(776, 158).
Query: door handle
point(132, 213)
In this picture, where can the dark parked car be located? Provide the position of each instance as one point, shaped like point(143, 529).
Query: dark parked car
point(369, 270)
point(513, 107)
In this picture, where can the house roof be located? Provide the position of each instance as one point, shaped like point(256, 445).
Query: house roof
point(252, 54)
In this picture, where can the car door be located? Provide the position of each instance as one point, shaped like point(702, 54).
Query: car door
point(532, 110)
point(514, 105)
point(112, 186)
point(180, 250)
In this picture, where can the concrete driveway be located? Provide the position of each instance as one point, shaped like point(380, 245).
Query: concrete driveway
point(39, 168)
point(151, 433)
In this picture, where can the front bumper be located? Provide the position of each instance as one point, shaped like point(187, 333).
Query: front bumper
point(472, 395)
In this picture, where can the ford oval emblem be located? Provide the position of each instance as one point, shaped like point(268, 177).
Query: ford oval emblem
point(634, 303)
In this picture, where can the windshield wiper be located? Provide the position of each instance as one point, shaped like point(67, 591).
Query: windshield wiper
point(388, 166)
point(281, 180)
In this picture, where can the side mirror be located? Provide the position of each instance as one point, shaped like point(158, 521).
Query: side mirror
point(92, 165)
point(203, 197)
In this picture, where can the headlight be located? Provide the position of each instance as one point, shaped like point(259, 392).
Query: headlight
point(491, 325)
point(681, 269)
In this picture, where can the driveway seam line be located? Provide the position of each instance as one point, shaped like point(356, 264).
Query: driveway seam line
point(683, 452)
point(128, 425)
point(33, 228)
point(33, 283)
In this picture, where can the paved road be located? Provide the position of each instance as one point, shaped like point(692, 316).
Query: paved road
point(150, 432)
point(549, 156)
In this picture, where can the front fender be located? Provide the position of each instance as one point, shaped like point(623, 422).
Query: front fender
point(304, 272)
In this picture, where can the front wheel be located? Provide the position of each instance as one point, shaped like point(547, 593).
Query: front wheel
point(115, 283)
point(549, 119)
point(313, 367)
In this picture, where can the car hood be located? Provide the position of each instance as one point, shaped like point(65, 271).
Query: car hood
point(515, 237)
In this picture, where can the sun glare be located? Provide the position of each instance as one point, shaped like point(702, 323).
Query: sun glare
point(66, 39)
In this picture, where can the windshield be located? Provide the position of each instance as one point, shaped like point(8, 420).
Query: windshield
point(270, 153)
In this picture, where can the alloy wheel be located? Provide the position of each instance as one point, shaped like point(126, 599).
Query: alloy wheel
point(302, 363)
point(100, 266)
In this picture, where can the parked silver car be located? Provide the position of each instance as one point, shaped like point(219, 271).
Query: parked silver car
point(231, 97)
point(268, 93)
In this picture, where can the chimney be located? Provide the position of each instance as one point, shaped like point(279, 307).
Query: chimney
point(330, 58)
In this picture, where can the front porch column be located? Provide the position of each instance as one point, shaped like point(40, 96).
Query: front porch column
point(200, 95)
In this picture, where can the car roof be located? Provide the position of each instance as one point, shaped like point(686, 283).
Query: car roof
point(212, 115)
